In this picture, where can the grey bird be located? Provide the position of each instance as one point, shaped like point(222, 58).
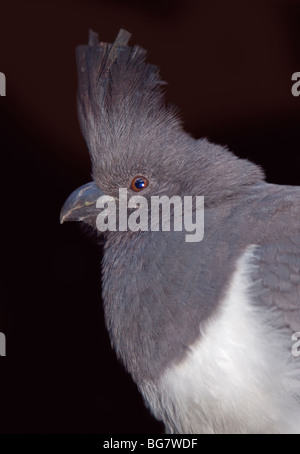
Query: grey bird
point(204, 328)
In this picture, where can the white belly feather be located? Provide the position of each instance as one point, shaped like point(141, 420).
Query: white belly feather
point(240, 377)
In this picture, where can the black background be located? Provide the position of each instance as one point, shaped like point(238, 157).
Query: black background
point(229, 66)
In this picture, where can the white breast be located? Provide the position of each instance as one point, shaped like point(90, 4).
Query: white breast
point(240, 377)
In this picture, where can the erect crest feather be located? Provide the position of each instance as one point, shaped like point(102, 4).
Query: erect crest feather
point(117, 90)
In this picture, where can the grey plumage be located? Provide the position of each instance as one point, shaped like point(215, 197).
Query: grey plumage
point(160, 293)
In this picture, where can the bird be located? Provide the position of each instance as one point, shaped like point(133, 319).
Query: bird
point(204, 327)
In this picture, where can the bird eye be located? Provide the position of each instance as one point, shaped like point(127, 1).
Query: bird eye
point(139, 183)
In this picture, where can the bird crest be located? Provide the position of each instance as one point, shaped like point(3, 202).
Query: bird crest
point(118, 91)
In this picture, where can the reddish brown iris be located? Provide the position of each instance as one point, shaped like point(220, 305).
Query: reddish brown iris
point(139, 183)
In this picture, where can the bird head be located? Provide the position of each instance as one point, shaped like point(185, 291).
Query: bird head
point(136, 141)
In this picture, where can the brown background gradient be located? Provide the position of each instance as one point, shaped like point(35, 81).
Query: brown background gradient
point(228, 65)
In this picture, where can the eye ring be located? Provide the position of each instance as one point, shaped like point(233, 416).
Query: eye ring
point(139, 183)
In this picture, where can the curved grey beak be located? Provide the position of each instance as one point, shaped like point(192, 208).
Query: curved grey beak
point(81, 204)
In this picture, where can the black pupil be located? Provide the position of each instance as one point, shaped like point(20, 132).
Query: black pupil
point(139, 183)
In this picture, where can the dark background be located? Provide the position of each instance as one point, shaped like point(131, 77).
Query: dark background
point(229, 66)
